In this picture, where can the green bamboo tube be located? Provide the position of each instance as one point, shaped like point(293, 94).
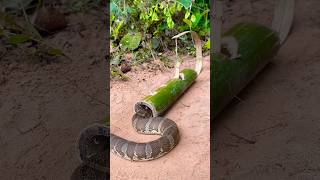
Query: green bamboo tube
point(257, 44)
point(159, 101)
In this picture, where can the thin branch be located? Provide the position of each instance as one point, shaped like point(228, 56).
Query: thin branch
point(29, 24)
point(248, 141)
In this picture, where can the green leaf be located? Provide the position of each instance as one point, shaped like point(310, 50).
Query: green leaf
point(55, 52)
point(187, 14)
point(186, 3)
point(193, 18)
point(131, 41)
point(116, 30)
point(173, 8)
point(170, 22)
point(19, 38)
point(116, 59)
point(154, 17)
point(162, 4)
point(187, 21)
point(179, 7)
point(207, 44)
point(162, 26)
point(198, 17)
point(114, 8)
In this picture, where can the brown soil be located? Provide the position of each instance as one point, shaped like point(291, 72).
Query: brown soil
point(190, 159)
point(44, 105)
point(273, 131)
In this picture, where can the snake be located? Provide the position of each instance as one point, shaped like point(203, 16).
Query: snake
point(94, 149)
point(144, 123)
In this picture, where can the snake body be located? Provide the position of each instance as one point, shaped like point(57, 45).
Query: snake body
point(93, 146)
point(144, 123)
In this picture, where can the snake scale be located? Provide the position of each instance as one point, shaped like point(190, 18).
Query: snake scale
point(143, 122)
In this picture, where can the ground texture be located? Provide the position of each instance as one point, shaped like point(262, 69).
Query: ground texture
point(272, 131)
point(190, 159)
point(44, 105)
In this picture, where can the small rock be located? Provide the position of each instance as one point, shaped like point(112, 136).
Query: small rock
point(49, 19)
point(125, 68)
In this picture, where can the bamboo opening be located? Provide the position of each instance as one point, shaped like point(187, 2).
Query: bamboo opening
point(143, 105)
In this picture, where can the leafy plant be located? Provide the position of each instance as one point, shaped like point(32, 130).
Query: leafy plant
point(16, 34)
point(130, 41)
point(156, 22)
point(158, 15)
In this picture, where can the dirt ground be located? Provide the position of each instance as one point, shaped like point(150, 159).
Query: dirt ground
point(190, 159)
point(273, 131)
point(44, 105)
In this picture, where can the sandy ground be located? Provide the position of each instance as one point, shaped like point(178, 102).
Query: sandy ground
point(279, 111)
point(45, 105)
point(190, 159)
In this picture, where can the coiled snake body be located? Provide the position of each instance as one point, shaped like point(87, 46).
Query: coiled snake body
point(93, 149)
point(144, 123)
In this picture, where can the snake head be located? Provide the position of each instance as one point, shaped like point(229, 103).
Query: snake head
point(144, 111)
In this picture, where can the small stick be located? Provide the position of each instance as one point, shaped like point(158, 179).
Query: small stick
point(240, 137)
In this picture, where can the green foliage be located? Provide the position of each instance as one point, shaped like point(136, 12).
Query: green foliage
point(55, 52)
point(155, 21)
point(116, 72)
point(207, 44)
point(153, 17)
point(19, 38)
point(186, 3)
point(16, 34)
point(130, 41)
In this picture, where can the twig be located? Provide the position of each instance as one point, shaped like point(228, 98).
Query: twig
point(29, 24)
point(185, 104)
point(240, 137)
point(262, 131)
point(230, 145)
point(31, 129)
point(148, 45)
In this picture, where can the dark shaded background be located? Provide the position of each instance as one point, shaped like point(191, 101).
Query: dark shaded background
point(44, 104)
point(279, 110)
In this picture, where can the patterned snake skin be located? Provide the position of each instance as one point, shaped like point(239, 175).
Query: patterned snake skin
point(144, 123)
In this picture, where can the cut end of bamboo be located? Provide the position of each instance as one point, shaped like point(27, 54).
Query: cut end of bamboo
point(142, 105)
